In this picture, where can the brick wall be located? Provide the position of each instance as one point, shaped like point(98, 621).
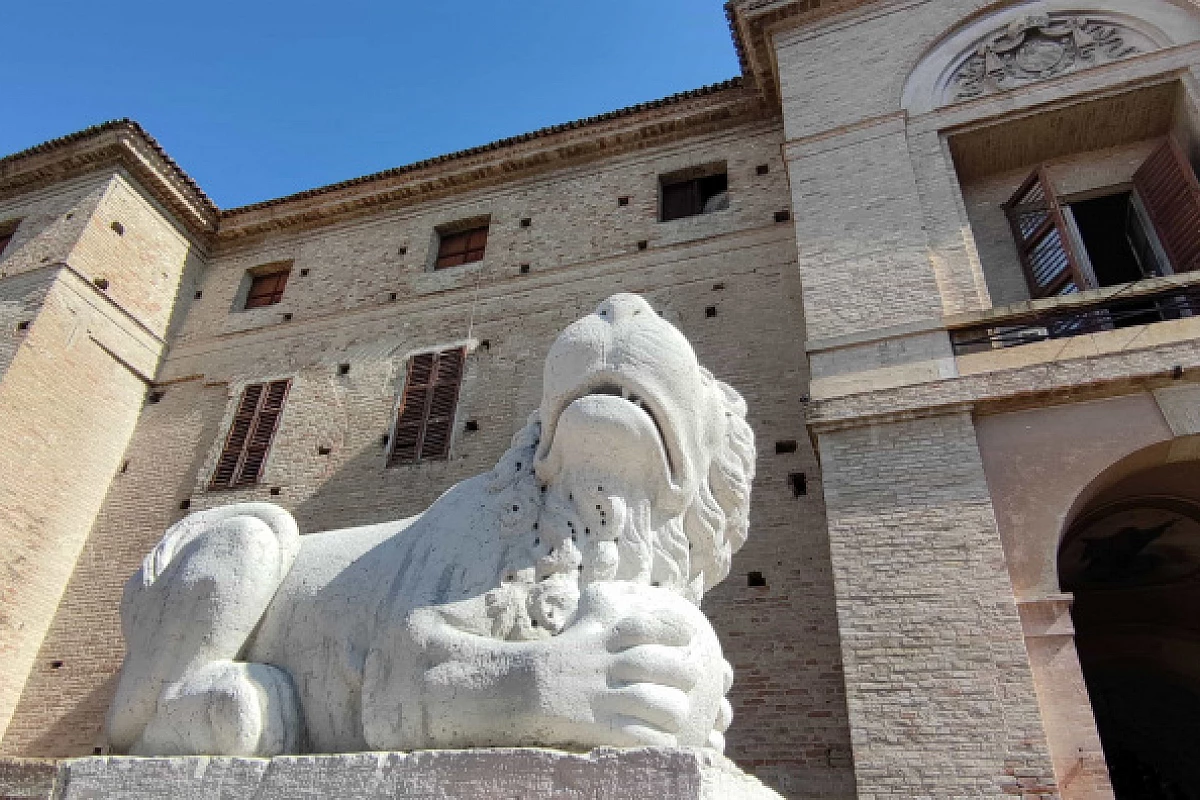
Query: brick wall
point(941, 697)
point(790, 721)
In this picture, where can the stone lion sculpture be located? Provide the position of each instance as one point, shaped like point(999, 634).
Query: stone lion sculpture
point(550, 602)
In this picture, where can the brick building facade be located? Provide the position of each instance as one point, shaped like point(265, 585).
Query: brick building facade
point(943, 248)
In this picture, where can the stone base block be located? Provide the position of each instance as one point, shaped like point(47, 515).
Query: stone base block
point(500, 774)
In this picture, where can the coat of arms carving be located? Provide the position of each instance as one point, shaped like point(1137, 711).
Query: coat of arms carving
point(1037, 47)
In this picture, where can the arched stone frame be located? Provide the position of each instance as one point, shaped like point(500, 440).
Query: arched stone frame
point(1148, 24)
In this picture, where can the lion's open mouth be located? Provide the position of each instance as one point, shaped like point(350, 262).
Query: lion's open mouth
point(641, 400)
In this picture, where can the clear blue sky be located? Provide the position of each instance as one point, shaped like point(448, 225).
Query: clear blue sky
point(256, 101)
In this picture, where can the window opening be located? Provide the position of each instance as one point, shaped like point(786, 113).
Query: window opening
point(425, 418)
point(461, 247)
point(250, 435)
point(267, 289)
point(694, 196)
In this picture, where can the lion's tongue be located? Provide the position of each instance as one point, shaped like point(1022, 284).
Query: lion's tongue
point(607, 436)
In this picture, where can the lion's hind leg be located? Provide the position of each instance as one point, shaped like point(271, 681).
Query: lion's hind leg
point(187, 615)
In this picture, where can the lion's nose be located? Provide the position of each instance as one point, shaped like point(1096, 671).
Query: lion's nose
point(621, 307)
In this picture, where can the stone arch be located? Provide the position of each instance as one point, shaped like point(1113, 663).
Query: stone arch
point(1129, 559)
point(1030, 41)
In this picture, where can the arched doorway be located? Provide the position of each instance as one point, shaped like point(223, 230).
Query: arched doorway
point(1131, 559)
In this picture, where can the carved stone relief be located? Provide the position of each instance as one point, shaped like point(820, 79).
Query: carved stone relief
point(1037, 47)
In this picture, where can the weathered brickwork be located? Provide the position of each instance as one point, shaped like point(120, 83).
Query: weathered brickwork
point(941, 698)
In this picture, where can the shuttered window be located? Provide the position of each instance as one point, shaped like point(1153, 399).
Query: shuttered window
point(461, 247)
point(250, 435)
point(1047, 254)
point(266, 290)
point(1170, 193)
point(425, 419)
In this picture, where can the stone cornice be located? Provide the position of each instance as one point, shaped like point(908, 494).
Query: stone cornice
point(649, 124)
point(118, 143)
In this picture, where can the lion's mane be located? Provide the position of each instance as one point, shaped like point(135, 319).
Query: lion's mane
point(544, 563)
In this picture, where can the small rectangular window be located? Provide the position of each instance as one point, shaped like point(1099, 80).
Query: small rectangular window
point(266, 289)
point(457, 247)
point(425, 418)
point(701, 190)
point(250, 435)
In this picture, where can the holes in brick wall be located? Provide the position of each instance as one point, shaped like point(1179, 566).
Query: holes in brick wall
point(343, 369)
point(799, 483)
point(275, 490)
point(304, 272)
point(643, 244)
point(199, 293)
point(524, 269)
point(118, 228)
point(97, 751)
point(762, 169)
point(785, 446)
point(23, 325)
point(471, 426)
point(623, 200)
point(783, 216)
point(526, 222)
point(402, 251)
point(324, 450)
point(392, 296)
point(154, 397)
point(184, 505)
point(486, 344)
point(125, 466)
point(287, 317)
point(717, 287)
point(710, 311)
point(56, 664)
point(101, 283)
point(755, 578)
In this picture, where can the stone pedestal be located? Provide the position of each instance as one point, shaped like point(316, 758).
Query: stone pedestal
point(502, 774)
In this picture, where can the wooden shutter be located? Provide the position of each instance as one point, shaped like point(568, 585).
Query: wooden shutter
point(462, 247)
point(425, 420)
point(1169, 191)
point(250, 435)
point(266, 290)
point(1047, 255)
point(680, 200)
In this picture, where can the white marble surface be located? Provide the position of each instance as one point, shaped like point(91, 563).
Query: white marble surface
point(551, 602)
point(663, 774)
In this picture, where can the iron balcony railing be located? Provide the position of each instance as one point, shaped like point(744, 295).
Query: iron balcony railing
point(1106, 314)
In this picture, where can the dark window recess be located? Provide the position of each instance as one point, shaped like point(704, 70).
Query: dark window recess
point(762, 169)
point(783, 216)
point(472, 425)
point(786, 446)
point(524, 269)
point(526, 222)
point(425, 419)
point(799, 483)
point(755, 579)
point(184, 505)
point(643, 244)
point(461, 247)
point(198, 295)
point(696, 196)
point(23, 325)
point(266, 290)
point(343, 369)
point(250, 435)
point(710, 311)
point(622, 201)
